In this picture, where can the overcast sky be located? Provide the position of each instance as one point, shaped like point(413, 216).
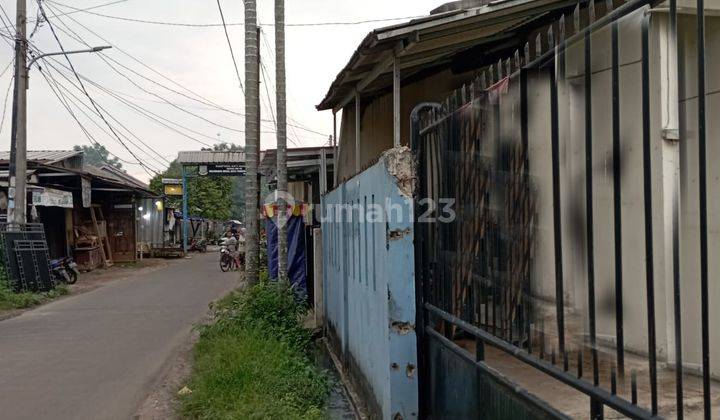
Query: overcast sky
point(192, 58)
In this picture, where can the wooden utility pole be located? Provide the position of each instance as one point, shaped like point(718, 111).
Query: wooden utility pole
point(252, 138)
point(281, 102)
point(17, 192)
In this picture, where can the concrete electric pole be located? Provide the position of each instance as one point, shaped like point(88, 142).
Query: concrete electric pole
point(17, 191)
point(17, 195)
point(281, 100)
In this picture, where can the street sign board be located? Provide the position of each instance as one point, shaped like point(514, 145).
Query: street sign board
point(172, 189)
point(220, 169)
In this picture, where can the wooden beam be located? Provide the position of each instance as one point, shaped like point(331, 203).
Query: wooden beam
point(382, 67)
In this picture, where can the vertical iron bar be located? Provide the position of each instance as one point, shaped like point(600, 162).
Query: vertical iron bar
point(479, 349)
point(542, 338)
point(524, 138)
point(580, 364)
point(596, 409)
point(617, 202)
point(647, 169)
point(557, 214)
point(422, 292)
point(704, 310)
point(676, 257)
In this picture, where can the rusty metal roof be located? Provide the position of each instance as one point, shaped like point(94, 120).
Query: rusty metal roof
point(47, 157)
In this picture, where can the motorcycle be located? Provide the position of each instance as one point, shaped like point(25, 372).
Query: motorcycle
point(199, 245)
point(228, 262)
point(64, 270)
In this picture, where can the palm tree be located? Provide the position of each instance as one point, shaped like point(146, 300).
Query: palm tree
point(281, 134)
point(252, 140)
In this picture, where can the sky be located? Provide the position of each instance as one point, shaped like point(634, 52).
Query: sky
point(175, 88)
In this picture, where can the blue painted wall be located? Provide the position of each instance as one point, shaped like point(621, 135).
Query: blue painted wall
point(369, 288)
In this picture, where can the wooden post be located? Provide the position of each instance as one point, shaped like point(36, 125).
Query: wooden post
point(336, 151)
point(396, 103)
point(357, 132)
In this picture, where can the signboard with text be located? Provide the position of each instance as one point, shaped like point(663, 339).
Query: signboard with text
point(49, 197)
point(220, 169)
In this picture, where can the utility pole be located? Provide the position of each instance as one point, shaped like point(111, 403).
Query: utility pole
point(281, 102)
point(252, 138)
point(17, 192)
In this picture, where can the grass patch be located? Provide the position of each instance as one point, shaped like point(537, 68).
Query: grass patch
point(10, 300)
point(252, 363)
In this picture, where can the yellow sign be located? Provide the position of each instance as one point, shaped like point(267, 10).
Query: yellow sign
point(173, 189)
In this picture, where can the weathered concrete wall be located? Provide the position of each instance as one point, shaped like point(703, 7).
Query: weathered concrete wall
point(369, 286)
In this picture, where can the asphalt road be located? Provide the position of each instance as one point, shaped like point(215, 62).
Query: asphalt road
point(96, 355)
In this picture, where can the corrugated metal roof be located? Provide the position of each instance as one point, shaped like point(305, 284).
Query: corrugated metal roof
point(44, 156)
point(111, 173)
point(429, 41)
point(207, 157)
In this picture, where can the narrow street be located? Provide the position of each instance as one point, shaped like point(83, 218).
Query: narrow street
point(96, 355)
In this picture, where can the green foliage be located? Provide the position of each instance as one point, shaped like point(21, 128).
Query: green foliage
point(209, 197)
point(252, 363)
point(98, 155)
point(268, 308)
point(11, 300)
point(252, 377)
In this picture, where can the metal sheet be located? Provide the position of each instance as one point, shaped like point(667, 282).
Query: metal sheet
point(151, 221)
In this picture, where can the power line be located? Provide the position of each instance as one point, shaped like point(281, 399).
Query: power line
point(7, 67)
point(88, 8)
point(63, 101)
point(78, 102)
point(7, 95)
point(203, 100)
point(145, 145)
point(105, 57)
point(143, 111)
point(232, 54)
point(2, 9)
point(162, 161)
point(213, 25)
point(52, 29)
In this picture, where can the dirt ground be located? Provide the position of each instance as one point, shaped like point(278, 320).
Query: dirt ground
point(97, 278)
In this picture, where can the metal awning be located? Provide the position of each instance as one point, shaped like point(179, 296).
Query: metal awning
point(47, 157)
point(300, 161)
point(430, 42)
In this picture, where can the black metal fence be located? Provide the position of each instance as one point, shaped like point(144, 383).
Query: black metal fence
point(477, 226)
point(24, 254)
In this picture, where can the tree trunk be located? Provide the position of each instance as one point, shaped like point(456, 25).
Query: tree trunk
point(252, 134)
point(281, 102)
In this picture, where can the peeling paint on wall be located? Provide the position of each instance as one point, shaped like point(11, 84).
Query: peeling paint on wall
point(402, 328)
point(400, 163)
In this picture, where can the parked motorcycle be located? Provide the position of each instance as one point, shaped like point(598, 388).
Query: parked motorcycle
point(64, 270)
point(199, 245)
